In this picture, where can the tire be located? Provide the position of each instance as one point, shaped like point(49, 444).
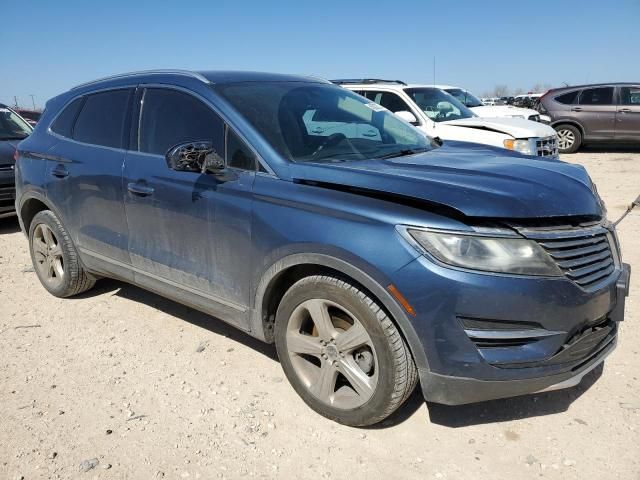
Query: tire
point(55, 258)
point(569, 138)
point(354, 343)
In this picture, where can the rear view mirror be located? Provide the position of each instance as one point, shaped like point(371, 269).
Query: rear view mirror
point(407, 117)
point(195, 157)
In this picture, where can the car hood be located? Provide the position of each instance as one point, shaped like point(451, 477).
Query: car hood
point(474, 180)
point(7, 149)
point(503, 111)
point(516, 127)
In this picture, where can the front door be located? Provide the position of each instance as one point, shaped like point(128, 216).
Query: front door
point(187, 229)
point(628, 114)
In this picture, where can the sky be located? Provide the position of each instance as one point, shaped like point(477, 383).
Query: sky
point(49, 46)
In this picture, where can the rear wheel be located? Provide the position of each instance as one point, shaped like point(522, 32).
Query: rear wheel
point(569, 138)
point(55, 258)
point(341, 352)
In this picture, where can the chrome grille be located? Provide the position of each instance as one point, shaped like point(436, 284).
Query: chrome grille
point(547, 146)
point(585, 258)
point(6, 167)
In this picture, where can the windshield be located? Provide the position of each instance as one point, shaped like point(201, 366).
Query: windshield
point(438, 105)
point(12, 126)
point(465, 97)
point(312, 122)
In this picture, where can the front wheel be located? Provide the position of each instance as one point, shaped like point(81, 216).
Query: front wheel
point(341, 352)
point(569, 138)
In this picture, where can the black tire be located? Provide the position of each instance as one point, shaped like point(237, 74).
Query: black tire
point(569, 138)
point(75, 279)
point(396, 371)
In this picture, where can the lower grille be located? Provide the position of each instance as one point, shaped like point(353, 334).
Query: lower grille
point(547, 146)
point(7, 196)
point(585, 258)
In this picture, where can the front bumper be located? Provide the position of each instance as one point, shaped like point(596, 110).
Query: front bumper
point(7, 193)
point(583, 328)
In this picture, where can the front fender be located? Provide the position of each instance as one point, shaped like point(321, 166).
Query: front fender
point(366, 275)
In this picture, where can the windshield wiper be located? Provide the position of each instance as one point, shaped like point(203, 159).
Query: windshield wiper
point(405, 152)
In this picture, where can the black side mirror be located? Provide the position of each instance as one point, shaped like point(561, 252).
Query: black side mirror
point(195, 157)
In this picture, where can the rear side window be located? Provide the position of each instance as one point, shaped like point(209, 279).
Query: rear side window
point(170, 117)
point(63, 125)
point(568, 98)
point(597, 96)
point(388, 100)
point(102, 119)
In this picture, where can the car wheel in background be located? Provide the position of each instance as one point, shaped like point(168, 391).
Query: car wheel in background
point(341, 351)
point(569, 138)
point(55, 258)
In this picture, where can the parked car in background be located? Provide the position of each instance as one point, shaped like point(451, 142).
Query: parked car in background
point(31, 116)
point(527, 101)
point(13, 129)
point(482, 110)
point(582, 114)
point(439, 114)
point(372, 257)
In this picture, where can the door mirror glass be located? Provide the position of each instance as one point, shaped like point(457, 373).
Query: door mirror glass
point(195, 157)
point(407, 117)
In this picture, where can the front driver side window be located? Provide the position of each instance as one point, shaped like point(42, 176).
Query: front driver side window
point(170, 117)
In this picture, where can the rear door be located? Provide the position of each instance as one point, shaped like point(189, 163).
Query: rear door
point(84, 175)
point(596, 112)
point(628, 114)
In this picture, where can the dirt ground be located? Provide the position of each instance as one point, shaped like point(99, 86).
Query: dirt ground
point(121, 383)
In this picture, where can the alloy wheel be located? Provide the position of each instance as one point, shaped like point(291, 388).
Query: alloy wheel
point(48, 255)
point(332, 354)
point(566, 139)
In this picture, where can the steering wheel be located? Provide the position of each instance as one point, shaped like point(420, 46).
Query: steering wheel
point(331, 141)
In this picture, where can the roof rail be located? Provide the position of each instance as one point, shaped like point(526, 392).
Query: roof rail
point(186, 73)
point(358, 81)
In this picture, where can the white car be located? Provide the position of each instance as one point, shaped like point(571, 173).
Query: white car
point(482, 109)
point(439, 114)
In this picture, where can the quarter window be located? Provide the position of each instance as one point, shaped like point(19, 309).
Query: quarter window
point(388, 100)
point(597, 96)
point(568, 98)
point(630, 96)
point(238, 154)
point(170, 117)
point(102, 119)
point(63, 125)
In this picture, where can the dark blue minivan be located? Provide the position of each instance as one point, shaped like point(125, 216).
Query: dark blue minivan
point(374, 258)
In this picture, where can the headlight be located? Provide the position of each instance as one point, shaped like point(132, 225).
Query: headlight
point(522, 146)
point(490, 254)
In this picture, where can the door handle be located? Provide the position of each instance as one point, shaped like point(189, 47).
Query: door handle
point(59, 171)
point(576, 109)
point(139, 189)
point(624, 110)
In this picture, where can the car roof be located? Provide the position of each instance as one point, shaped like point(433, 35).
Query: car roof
point(206, 76)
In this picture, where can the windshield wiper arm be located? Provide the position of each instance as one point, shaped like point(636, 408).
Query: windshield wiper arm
point(403, 153)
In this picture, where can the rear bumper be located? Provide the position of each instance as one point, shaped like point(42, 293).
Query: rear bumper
point(458, 390)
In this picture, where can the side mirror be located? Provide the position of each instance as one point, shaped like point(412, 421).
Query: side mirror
point(195, 157)
point(407, 117)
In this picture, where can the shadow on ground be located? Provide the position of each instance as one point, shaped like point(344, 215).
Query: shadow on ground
point(450, 416)
point(604, 148)
point(9, 225)
point(187, 314)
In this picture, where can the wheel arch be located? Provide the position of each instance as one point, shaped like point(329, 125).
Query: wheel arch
point(285, 272)
point(574, 123)
point(30, 206)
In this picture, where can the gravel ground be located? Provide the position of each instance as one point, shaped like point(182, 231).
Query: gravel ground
point(120, 383)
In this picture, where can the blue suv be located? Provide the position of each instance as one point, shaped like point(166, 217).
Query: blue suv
point(374, 258)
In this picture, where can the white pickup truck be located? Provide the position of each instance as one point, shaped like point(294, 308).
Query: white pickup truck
point(439, 114)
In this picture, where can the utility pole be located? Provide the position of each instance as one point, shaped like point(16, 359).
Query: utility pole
point(434, 70)
point(15, 101)
point(33, 101)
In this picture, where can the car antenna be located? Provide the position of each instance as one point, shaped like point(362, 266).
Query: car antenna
point(634, 204)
